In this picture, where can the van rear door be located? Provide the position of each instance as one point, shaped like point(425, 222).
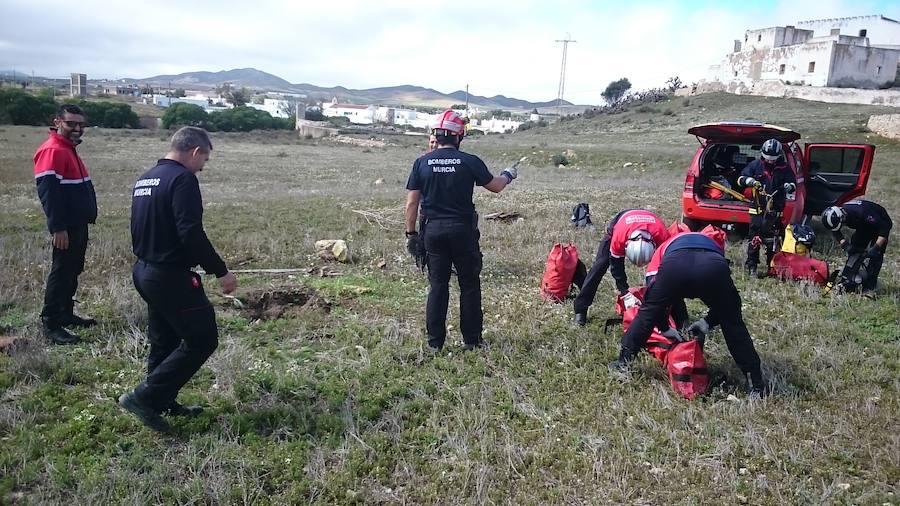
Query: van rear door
point(836, 173)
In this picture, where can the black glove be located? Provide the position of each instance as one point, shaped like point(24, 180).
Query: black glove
point(413, 243)
point(874, 252)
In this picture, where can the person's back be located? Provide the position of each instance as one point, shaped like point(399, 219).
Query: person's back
point(447, 178)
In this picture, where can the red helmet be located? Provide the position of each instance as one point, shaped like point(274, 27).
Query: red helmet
point(450, 123)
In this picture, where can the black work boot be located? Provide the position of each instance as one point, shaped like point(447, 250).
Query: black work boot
point(751, 271)
point(146, 414)
point(57, 334)
point(581, 319)
point(623, 364)
point(73, 320)
point(755, 385)
point(177, 409)
point(472, 346)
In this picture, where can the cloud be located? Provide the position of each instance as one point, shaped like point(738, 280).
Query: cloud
point(499, 47)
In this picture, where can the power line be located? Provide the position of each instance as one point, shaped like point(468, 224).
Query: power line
point(562, 72)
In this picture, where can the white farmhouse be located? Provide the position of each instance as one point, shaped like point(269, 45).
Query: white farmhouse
point(357, 114)
point(277, 108)
point(801, 56)
point(495, 125)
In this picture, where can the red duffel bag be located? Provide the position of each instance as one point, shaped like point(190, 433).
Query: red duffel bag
point(561, 264)
point(687, 369)
point(657, 344)
point(799, 267)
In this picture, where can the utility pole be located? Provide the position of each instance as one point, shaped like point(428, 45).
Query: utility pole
point(467, 100)
point(562, 73)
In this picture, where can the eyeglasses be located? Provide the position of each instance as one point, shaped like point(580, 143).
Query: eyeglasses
point(74, 124)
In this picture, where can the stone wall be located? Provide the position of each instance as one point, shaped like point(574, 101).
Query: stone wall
point(887, 125)
point(889, 97)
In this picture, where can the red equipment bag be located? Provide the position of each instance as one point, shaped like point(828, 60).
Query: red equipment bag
point(687, 369)
point(561, 264)
point(678, 227)
point(800, 267)
point(657, 345)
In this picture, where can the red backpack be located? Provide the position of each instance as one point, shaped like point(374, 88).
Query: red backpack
point(684, 361)
point(561, 265)
point(687, 369)
point(800, 267)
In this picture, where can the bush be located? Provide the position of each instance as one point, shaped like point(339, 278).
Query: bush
point(18, 107)
point(648, 109)
point(246, 119)
point(559, 160)
point(668, 112)
point(109, 114)
point(184, 114)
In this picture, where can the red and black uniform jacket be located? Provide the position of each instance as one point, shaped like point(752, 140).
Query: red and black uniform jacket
point(63, 184)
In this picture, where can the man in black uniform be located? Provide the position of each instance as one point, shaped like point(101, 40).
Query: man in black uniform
point(168, 238)
point(872, 227)
point(692, 266)
point(443, 180)
point(770, 176)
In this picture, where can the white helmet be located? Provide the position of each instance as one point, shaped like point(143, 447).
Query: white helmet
point(640, 247)
point(833, 218)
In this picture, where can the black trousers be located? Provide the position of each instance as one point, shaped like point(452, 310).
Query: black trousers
point(588, 290)
point(62, 282)
point(695, 274)
point(767, 227)
point(453, 243)
point(860, 242)
point(182, 330)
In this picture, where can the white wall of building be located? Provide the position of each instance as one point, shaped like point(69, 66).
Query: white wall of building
point(863, 67)
point(496, 125)
point(881, 31)
point(277, 108)
point(359, 115)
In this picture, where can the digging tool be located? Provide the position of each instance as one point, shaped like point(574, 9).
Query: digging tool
point(718, 186)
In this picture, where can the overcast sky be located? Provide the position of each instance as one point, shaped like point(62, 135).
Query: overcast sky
point(496, 47)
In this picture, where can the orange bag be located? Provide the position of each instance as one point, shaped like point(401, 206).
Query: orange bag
point(561, 264)
point(687, 369)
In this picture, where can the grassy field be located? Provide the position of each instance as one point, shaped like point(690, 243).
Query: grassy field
point(329, 399)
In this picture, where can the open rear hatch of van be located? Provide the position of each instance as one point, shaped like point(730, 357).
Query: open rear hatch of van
point(743, 132)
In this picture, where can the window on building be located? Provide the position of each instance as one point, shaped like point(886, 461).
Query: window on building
point(735, 73)
point(877, 70)
point(781, 69)
point(862, 33)
point(759, 38)
point(812, 67)
point(746, 37)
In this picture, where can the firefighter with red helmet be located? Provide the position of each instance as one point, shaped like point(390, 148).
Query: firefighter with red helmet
point(772, 181)
point(632, 234)
point(442, 181)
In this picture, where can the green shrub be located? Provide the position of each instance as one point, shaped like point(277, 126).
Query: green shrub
point(18, 107)
point(648, 109)
point(559, 159)
point(109, 114)
point(184, 114)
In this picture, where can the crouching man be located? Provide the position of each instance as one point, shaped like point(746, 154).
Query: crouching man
point(872, 227)
point(168, 239)
point(693, 266)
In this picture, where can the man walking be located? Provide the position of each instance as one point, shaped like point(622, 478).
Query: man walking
point(443, 180)
point(168, 239)
point(70, 204)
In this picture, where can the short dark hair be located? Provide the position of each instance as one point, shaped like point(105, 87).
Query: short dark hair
point(190, 137)
point(447, 140)
point(69, 108)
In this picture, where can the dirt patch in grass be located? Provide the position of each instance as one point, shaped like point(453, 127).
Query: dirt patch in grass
point(272, 303)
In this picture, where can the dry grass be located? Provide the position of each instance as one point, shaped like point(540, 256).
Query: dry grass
point(343, 406)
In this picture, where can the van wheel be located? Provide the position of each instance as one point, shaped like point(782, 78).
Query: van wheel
point(694, 225)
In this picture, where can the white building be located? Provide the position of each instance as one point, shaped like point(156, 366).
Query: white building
point(357, 114)
point(414, 119)
point(495, 125)
point(277, 108)
point(881, 31)
point(796, 56)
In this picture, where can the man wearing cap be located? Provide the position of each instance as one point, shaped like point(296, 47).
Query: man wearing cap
point(443, 181)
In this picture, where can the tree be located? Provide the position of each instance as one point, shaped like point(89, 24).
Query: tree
point(184, 114)
point(19, 107)
point(674, 83)
point(616, 90)
point(109, 114)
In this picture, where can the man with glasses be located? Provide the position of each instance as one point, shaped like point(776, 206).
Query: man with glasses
point(168, 239)
point(632, 234)
point(70, 204)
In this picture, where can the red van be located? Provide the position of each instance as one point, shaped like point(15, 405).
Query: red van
point(827, 174)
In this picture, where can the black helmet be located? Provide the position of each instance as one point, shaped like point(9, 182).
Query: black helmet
point(771, 150)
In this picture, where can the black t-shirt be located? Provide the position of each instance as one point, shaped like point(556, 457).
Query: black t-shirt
point(772, 177)
point(447, 177)
point(167, 220)
point(867, 218)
